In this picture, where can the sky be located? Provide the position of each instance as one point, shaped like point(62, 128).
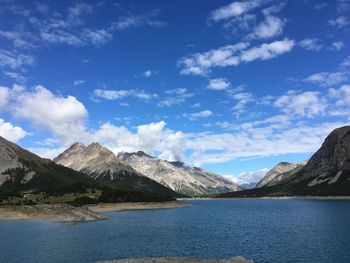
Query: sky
point(231, 86)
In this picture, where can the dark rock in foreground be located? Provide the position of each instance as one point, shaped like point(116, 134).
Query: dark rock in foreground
point(180, 260)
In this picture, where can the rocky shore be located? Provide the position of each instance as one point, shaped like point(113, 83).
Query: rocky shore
point(67, 213)
point(180, 260)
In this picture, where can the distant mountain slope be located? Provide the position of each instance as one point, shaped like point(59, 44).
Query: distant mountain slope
point(102, 165)
point(178, 176)
point(22, 172)
point(273, 176)
point(327, 173)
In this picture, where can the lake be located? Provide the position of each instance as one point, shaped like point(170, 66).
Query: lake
point(305, 231)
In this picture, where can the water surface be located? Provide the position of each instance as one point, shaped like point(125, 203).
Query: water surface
point(267, 231)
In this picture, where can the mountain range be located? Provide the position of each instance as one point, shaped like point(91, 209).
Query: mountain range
point(326, 173)
point(93, 173)
point(178, 176)
point(23, 174)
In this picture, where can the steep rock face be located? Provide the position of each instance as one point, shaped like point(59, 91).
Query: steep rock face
point(278, 173)
point(331, 161)
point(178, 176)
point(101, 164)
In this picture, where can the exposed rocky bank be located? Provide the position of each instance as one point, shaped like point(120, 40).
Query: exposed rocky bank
point(180, 260)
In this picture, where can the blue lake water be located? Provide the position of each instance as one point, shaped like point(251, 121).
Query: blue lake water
point(268, 231)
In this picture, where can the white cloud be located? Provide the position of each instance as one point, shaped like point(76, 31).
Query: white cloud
point(201, 63)
point(232, 55)
point(14, 60)
point(219, 84)
point(340, 100)
point(257, 142)
point(63, 116)
point(148, 73)
point(343, 6)
point(175, 97)
point(243, 99)
point(11, 132)
point(234, 9)
point(16, 76)
point(196, 105)
point(326, 79)
point(312, 44)
point(4, 96)
point(151, 138)
point(305, 104)
point(47, 152)
point(120, 94)
point(339, 22)
point(197, 115)
point(338, 45)
point(135, 21)
point(346, 62)
point(272, 26)
point(247, 178)
point(78, 82)
point(268, 51)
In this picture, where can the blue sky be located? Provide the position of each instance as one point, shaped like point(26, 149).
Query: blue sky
point(232, 86)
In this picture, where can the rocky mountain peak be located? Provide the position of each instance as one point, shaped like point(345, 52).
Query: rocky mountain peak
point(142, 154)
point(273, 176)
point(332, 158)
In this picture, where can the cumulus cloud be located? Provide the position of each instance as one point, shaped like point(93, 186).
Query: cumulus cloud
point(219, 84)
point(232, 55)
point(63, 116)
point(11, 132)
point(153, 138)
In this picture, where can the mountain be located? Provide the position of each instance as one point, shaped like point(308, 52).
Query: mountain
point(22, 171)
point(275, 175)
point(101, 164)
point(26, 178)
point(192, 181)
point(327, 173)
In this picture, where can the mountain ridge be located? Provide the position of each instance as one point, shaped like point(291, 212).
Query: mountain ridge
point(102, 164)
point(180, 177)
point(326, 173)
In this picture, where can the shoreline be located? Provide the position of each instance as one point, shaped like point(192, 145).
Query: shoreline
point(309, 197)
point(178, 260)
point(66, 213)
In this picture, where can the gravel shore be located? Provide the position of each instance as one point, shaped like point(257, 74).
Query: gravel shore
point(67, 213)
point(179, 260)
